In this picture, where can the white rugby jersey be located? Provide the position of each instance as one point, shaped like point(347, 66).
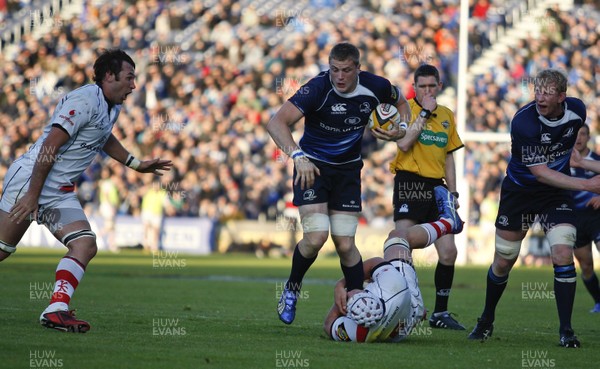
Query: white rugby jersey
point(397, 285)
point(85, 116)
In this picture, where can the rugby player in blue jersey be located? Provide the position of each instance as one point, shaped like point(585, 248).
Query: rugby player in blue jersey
point(587, 210)
point(537, 186)
point(327, 163)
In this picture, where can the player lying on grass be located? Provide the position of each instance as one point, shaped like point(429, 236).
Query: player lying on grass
point(388, 307)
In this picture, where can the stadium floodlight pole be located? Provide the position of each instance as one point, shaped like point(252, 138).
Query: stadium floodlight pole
point(461, 103)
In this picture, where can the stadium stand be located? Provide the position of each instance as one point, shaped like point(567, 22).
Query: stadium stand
point(211, 74)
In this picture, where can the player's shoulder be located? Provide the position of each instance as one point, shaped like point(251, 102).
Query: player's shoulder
point(595, 156)
point(521, 121)
point(90, 93)
point(576, 105)
point(314, 87)
point(368, 78)
point(526, 111)
point(321, 79)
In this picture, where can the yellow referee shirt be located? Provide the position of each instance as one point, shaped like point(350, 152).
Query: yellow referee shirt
point(439, 137)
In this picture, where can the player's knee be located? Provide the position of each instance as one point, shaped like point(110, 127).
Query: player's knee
point(562, 240)
point(316, 239)
point(344, 245)
point(562, 254)
point(87, 248)
point(587, 268)
point(447, 254)
point(501, 267)
point(82, 241)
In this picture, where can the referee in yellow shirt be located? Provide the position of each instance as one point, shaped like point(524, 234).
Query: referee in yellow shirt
point(425, 162)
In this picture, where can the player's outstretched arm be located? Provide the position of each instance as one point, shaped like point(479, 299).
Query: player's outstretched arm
point(115, 150)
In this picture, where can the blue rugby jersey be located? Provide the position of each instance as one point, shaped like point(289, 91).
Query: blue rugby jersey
point(537, 140)
point(580, 198)
point(334, 122)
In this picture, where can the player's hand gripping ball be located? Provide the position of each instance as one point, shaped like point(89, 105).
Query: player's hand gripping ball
point(384, 116)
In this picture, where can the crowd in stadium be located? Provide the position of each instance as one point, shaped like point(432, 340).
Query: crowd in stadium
point(203, 100)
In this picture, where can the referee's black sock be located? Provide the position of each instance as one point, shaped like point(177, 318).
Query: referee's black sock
point(300, 266)
point(354, 276)
point(444, 275)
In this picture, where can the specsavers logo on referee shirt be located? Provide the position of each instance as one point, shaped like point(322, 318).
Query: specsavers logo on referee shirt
point(439, 139)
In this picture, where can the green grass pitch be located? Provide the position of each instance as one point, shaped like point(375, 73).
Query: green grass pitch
point(179, 311)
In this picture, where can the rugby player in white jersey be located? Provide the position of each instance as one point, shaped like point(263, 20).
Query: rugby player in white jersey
point(40, 185)
point(388, 307)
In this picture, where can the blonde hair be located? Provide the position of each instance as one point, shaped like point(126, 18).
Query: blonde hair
point(552, 76)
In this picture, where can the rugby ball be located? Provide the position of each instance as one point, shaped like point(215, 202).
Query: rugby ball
point(383, 116)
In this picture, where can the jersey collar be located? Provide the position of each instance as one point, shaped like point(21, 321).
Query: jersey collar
point(349, 94)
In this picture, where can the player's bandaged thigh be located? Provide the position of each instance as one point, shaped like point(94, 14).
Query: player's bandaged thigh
point(507, 249)
point(315, 222)
point(562, 235)
point(344, 225)
point(7, 248)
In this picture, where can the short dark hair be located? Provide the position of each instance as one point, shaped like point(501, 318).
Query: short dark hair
point(110, 61)
point(345, 51)
point(427, 70)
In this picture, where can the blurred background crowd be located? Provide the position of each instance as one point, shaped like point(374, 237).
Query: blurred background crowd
point(210, 74)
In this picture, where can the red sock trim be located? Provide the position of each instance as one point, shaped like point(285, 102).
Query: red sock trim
point(446, 224)
point(75, 260)
point(437, 228)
